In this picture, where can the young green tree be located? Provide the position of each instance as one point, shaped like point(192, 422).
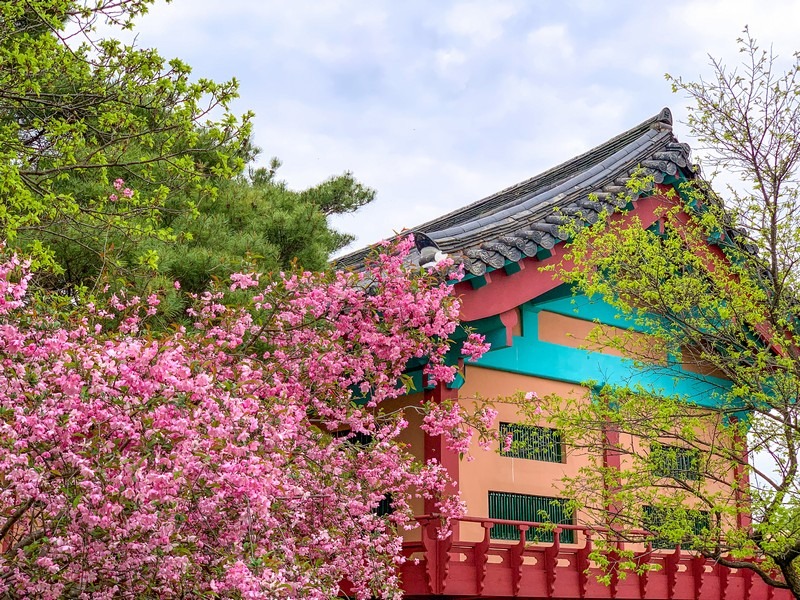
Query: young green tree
point(716, 288)
point(88, 124)
point(78, 112)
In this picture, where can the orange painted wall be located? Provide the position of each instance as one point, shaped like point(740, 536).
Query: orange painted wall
point(692, 362)
point(484, 471)
point(489, 471)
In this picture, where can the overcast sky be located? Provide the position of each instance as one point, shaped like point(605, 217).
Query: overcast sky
point(438, 103)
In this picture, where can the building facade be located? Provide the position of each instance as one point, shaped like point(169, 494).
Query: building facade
point(540, 336)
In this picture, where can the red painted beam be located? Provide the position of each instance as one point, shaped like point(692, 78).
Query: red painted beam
point(506, 292)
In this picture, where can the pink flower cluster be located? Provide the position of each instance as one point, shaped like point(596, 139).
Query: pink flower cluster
point(474, 346)
point(534, 398)
point(119, 185)
point(203, 462)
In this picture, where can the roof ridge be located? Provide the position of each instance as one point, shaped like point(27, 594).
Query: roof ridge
point(662, 120)
point(522, 204)
point(541, 199)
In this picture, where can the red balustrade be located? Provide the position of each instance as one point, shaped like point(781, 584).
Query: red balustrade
point(492, 568)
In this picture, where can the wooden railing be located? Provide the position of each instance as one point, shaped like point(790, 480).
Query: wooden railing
point(449, 566)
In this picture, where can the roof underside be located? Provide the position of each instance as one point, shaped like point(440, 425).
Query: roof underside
point(526, 218)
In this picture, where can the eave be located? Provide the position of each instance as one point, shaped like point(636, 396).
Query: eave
point(530, 219)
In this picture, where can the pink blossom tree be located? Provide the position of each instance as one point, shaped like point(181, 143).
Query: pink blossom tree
point(211, 461)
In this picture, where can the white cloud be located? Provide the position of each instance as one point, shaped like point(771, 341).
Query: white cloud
point(439, 104)
point(713, 25)
point(450, 58)
point(550, 48)
point(480, 22)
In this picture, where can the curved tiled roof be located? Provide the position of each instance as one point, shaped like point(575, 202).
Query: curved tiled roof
point(521, 220)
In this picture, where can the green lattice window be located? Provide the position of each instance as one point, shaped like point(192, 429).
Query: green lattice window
point(533, 443)
point(384, 507)
point(655, 517)
point(675, 462)
point(522, 507)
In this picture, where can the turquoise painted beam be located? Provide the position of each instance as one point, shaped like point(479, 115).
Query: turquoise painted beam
point(530, 356)
point(573, 365)
point(562, 301)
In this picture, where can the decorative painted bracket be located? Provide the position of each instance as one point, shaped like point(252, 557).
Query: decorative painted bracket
point(671, 567)
point(642, 559)
point(699, 574)
point(516, 560)
point(481, 556)
point(582, 562)
point(437, 556)
point(551, 561)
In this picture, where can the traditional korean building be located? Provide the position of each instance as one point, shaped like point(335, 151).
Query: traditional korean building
point(538, 332)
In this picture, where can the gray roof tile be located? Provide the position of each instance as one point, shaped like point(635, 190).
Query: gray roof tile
point(514, 222)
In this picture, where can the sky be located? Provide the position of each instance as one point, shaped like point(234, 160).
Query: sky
point(439, 103)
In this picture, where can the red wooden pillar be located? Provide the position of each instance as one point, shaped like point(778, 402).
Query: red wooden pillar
point(742, 480)
point(612, 459)
point(437, 550)
point(436, 449)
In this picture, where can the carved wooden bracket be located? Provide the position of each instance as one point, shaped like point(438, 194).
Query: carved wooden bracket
point(671, 567)
point(582, 562)
point(429, 539)
point(551, 562)
point(516, 560)
point(481, 556)
point(699, 574)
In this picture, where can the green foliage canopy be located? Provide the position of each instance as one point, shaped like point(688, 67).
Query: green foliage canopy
point(716, 287)
point(115, 165)
point(252, 222)
point(78, 111)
